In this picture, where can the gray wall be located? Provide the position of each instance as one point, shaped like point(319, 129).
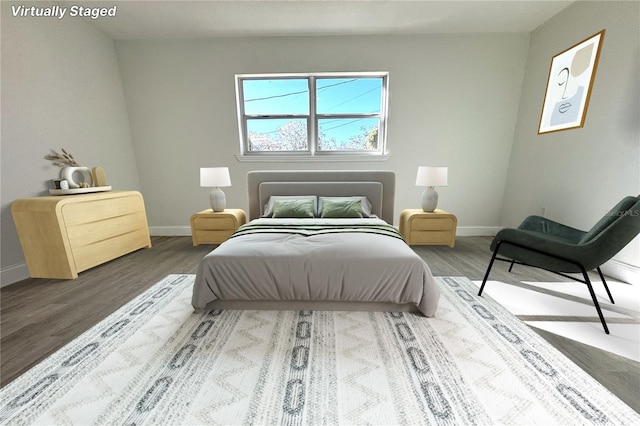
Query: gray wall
point(463, 101)
point(453, 101)
point(579, 174)
point(61, 88)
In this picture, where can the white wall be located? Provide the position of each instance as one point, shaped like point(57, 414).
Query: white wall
point(579, 174)
point(61, 87)
point(453, 102)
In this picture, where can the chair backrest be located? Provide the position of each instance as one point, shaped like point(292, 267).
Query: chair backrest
point(623, 209)
point(616, 230)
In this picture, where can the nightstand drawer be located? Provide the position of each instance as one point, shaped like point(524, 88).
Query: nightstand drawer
point(430, 237)
point(214, 223)
point(212, 237)
point(421, 224)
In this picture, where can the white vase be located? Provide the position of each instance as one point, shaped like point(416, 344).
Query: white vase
point(76, 176)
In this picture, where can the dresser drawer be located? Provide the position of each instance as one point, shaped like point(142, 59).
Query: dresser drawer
point(96, 210)
point(224, 223)
point(428, 224)
point(91, 232)
point(91, 255)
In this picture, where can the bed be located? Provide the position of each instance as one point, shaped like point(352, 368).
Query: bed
point(331, 261)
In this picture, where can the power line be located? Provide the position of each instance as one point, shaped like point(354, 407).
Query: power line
point(344, 124)
point(299, 92)
point(350, 99)
point(276, 96)
point(336, 84)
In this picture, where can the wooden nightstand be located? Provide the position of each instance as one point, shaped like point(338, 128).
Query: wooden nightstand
point(209, 227)
point(423, 228)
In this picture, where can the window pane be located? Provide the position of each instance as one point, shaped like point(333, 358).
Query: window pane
point(276, 96)
point(348, 95)
point(277, 135)
point(348, 134)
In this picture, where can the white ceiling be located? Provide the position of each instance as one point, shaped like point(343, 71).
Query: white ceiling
point(150, 19)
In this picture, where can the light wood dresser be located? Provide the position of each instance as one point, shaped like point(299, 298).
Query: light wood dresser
point(64, 235)
point(209, 227)
point(428, 228)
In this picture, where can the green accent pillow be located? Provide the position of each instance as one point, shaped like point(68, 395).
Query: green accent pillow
point(341, 209)
point(293, 208)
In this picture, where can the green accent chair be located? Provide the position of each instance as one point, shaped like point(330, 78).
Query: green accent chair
point(549, 245)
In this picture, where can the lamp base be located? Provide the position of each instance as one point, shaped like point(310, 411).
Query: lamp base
point(429, 199)
point(218, 200)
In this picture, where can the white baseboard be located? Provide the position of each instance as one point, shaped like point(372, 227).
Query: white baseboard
point(615, 269)
point(622, 271)
point(170, 231)
point(14, 273)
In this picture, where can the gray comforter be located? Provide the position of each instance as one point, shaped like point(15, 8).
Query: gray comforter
point(355, 260)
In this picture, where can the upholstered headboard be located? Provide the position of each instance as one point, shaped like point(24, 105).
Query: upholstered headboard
point(378, 186)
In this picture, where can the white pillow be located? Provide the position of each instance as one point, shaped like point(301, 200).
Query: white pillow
point(268, 208)
point(364, 202)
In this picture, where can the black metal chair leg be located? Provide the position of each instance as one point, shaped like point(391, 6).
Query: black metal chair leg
point(486, 275)
point(511, 266)
point(595, 300)
point(606, 287)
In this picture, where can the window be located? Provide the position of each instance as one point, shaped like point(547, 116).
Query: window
point(312, 114)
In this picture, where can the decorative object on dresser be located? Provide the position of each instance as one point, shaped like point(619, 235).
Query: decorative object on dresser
point(61, 236)
point(209, 227)
point(99, 177)
point(216, 177)
point(77, 177)
point(431, 177)
point(74, 178)
point(428, 228)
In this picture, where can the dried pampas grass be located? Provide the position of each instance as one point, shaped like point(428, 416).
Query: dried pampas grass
point(62, 160)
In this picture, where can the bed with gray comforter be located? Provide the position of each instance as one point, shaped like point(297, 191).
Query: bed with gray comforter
point(316, 263)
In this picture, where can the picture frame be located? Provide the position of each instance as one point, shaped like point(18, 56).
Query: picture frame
point(569, 85)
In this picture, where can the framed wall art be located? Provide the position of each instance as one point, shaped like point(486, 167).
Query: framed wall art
point(569, 85)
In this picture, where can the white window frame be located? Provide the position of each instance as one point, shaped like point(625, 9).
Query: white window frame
point(312, 153)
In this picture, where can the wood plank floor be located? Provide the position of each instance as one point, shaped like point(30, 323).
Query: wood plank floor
point(38, 316)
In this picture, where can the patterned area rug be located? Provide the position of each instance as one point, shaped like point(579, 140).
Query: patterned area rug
point(156, 362)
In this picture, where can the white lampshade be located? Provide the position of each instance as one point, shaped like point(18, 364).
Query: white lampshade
point(215, 177)
point(432, 176)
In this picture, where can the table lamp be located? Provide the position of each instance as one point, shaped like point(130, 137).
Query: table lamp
point(216, 177)
point(431, 177)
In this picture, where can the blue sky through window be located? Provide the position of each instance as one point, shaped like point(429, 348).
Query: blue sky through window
point(334, 96)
